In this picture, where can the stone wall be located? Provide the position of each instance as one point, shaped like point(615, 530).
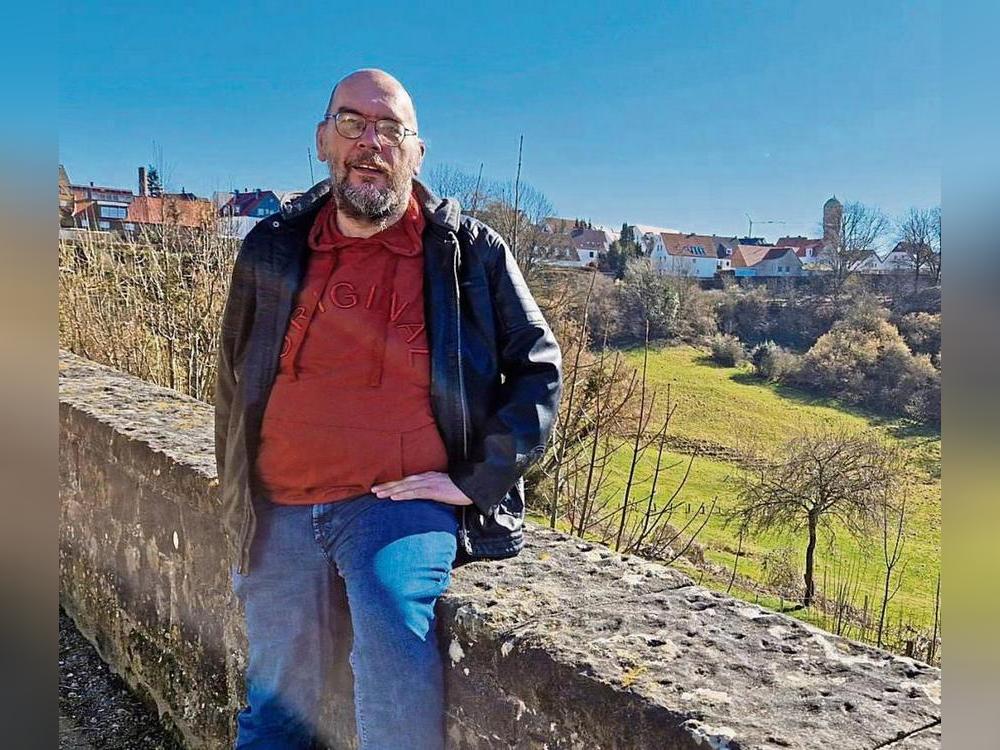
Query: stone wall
point(568, 645)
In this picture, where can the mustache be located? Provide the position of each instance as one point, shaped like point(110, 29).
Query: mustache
point(369, 161)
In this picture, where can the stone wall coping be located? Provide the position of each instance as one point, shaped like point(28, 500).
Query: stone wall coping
point(596, 645)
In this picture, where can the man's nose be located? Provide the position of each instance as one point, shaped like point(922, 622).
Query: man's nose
point(370, 138)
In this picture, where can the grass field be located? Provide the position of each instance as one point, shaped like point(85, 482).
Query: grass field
point(729, 407)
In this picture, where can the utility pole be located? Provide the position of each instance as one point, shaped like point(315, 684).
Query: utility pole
point(475, 196)
point(517, 193)
point(312, 180)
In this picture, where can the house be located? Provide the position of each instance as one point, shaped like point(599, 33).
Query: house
point(566, 245)
point(66, 199)
point(694, 255)
point(240, 212)
point(120, 210)
point(256, 203)
point(95, 207)
point(560, 250)
point(897, 260)
point(765, 261)
point(596, 241)
point(809, 250)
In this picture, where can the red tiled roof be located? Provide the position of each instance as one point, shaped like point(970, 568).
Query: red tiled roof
point(186, 213)
point(682, 244)
point(745, 256)
point(801, 244)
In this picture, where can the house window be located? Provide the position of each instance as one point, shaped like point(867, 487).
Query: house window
point(591, 253)
point(104, 225)
point(113, 212)
point(129, 226)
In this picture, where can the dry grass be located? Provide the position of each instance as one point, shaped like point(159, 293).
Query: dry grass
point(149, 305)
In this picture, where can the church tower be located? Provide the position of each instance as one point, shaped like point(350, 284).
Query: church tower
point(833, 213)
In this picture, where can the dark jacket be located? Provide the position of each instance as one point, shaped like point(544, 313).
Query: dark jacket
point(495, 366)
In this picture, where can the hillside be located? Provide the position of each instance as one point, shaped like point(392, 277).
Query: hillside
point(728, 407)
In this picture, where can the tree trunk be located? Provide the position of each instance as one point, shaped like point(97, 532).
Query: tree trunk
point(810, 560)
point(885, 606)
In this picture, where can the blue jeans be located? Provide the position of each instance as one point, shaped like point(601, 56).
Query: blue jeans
point(395, 557)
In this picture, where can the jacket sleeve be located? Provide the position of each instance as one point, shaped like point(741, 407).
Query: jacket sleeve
point(237, 318)
point(515, 435)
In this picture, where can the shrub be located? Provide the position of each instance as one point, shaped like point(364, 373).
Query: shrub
point(921, 331)
point(801, 320)
point(864, 360)
point(780, 571)
point(924, 404)
point(696, 309)
point(745, 314)
point(726, 350)
point(771, 362)
point(647, 295)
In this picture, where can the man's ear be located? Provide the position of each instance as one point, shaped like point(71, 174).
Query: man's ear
point(420, 161)
point(320, 150)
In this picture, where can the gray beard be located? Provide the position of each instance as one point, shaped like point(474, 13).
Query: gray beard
point(371, 204)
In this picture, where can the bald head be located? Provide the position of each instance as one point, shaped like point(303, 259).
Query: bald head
point(374, 85)
point(371, 168)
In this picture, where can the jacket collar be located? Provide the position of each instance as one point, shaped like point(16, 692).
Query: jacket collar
point(444, 213)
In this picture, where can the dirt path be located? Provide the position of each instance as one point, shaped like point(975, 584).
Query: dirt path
point(96, 709)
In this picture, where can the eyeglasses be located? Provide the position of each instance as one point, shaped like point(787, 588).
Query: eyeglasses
point(352, 125)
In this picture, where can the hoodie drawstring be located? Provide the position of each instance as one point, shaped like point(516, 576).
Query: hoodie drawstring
point(388, 283)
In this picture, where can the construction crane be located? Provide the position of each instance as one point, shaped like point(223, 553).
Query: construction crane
point(750, 229)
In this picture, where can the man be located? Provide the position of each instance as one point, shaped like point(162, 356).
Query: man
point(384, 380)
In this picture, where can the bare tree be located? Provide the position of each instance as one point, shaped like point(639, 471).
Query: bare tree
point(820, 480)
point(513, 208)
point(857, 236)
point(915, 232)
point(447, 180)
point(932, 647)
point(525, 222)
point(934, 257)
point(892, 527)
point(593, 416)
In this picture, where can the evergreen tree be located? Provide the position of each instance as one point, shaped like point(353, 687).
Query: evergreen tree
point(153, 185)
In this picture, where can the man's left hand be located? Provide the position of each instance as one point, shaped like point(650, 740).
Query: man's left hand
point(429, 485)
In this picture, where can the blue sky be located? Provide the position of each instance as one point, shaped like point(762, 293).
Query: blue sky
point(682, 114)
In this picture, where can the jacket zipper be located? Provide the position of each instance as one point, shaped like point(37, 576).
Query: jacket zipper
point(467, 543)
point(458, 337)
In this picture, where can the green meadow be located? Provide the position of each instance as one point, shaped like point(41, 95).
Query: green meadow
point(728, 407)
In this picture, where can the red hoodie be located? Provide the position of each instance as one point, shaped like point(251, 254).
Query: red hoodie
point(350, 404)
